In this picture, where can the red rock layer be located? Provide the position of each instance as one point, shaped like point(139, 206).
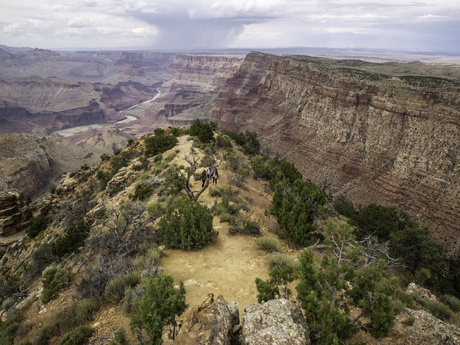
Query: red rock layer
point(385, 142)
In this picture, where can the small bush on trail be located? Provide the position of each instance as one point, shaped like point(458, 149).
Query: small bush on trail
point(226, 218)
point(189, 227)
point(78, 336)
point(244, 226)
point(268, 244)
point(216, 191)
point(281, 262)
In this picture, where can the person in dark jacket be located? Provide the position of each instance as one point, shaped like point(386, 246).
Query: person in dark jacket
point(203, 177)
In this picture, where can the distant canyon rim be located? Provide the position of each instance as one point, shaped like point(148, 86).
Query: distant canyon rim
point(381, 132)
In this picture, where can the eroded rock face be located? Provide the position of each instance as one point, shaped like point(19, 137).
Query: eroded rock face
point(412, 289)
point(384, 141)
point(417, 327)
point(14, 215)
point(274, 322)
point(210, 323)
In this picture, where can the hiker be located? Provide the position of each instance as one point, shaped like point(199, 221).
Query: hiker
point(209, 172)
point(203, 178)
point(215, 175)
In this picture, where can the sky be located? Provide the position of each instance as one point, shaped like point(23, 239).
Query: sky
point(196, 24)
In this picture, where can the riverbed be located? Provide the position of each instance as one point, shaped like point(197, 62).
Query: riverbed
point(68, 132)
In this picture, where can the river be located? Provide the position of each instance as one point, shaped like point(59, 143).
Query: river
point(68, 132)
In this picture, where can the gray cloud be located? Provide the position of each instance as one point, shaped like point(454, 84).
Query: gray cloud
point(183, 24)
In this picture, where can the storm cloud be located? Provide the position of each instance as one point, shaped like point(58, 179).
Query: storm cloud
point(180, 24)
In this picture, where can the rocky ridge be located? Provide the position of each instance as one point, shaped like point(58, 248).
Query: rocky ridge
point(380, 138)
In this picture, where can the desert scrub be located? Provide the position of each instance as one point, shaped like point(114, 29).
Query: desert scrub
point(149, 256)
point(244, 226)
point(268, 244)
point(85, 309)
point(54, 280)
point(281, 262)
point(78, 336)
point(37, 225)
point(115, 289)
point(73, 238)
point(189, 227)
point(398, 306)
point(170, 157)
point(452, 301)
point(227, 218)
point(216, 191)
point(141, 191)
point(9, 328)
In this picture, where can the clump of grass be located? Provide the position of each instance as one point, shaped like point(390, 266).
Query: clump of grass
point(85, 309)
point(115, 289)
point(281, 262)
point(452, 301)
point(170, 157)
point(226, 217)
point(77, 336)
point(398, 306)
point(268, 244)
point(216, 191)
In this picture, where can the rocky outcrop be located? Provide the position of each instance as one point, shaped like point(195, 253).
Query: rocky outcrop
point(274, 322)
point(210, 69)
point(385, 140)
point(33, 164)
point(213, 322)
point(412, 289)
point(119, 179)
point(417, 327)
point(14, 214)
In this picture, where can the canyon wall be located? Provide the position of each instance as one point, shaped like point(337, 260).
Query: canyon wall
point(204, 68)
point(379, 138)
point(33, 164)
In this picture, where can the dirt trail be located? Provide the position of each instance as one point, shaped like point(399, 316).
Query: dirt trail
point(227, 267)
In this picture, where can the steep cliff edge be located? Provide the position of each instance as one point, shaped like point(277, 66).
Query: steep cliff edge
point(383, 135)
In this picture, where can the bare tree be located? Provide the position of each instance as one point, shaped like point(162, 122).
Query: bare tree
point(175, 178)
point(373, 250)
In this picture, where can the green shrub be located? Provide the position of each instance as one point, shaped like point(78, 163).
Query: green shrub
point(268, 244)
point(398, 306)
point(216, 191)
point(244, 226)
point(227, 218)
point(406, 299)
point(156, 209)
point(281, 262)
point(157, 308)
point(206, 135)
point(149, 256)
point(223, 140)
point(188, 227)
point(9, 328)
point(439, 310)
point(296, 206)
point(37, 225)
point(170, 157)
point(8, 303)
point(85, 309)
point(115, 289)
point(78, 336)
point(141, 191)
point(144, 177)
point(119, 338)
point(73, 238)
point(158, 144)
point(195, 128)
point(54, 280)
point(157, 158)
point(452, 301)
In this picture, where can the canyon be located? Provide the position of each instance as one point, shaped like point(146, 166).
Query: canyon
point(381, 133)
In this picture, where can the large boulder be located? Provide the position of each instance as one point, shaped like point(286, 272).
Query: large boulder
point(278, 322)
point(413, 289)
point(417, 327)
point(212, 322)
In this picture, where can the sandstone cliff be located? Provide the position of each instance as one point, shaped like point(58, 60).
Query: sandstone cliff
point(388, 138)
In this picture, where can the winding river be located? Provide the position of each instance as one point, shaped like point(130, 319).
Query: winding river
point(68, 132)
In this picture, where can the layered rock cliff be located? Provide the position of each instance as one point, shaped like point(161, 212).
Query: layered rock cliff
point(204, 68)
point(389, 138)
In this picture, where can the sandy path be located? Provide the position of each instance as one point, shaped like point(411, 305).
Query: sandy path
point(227, 267)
